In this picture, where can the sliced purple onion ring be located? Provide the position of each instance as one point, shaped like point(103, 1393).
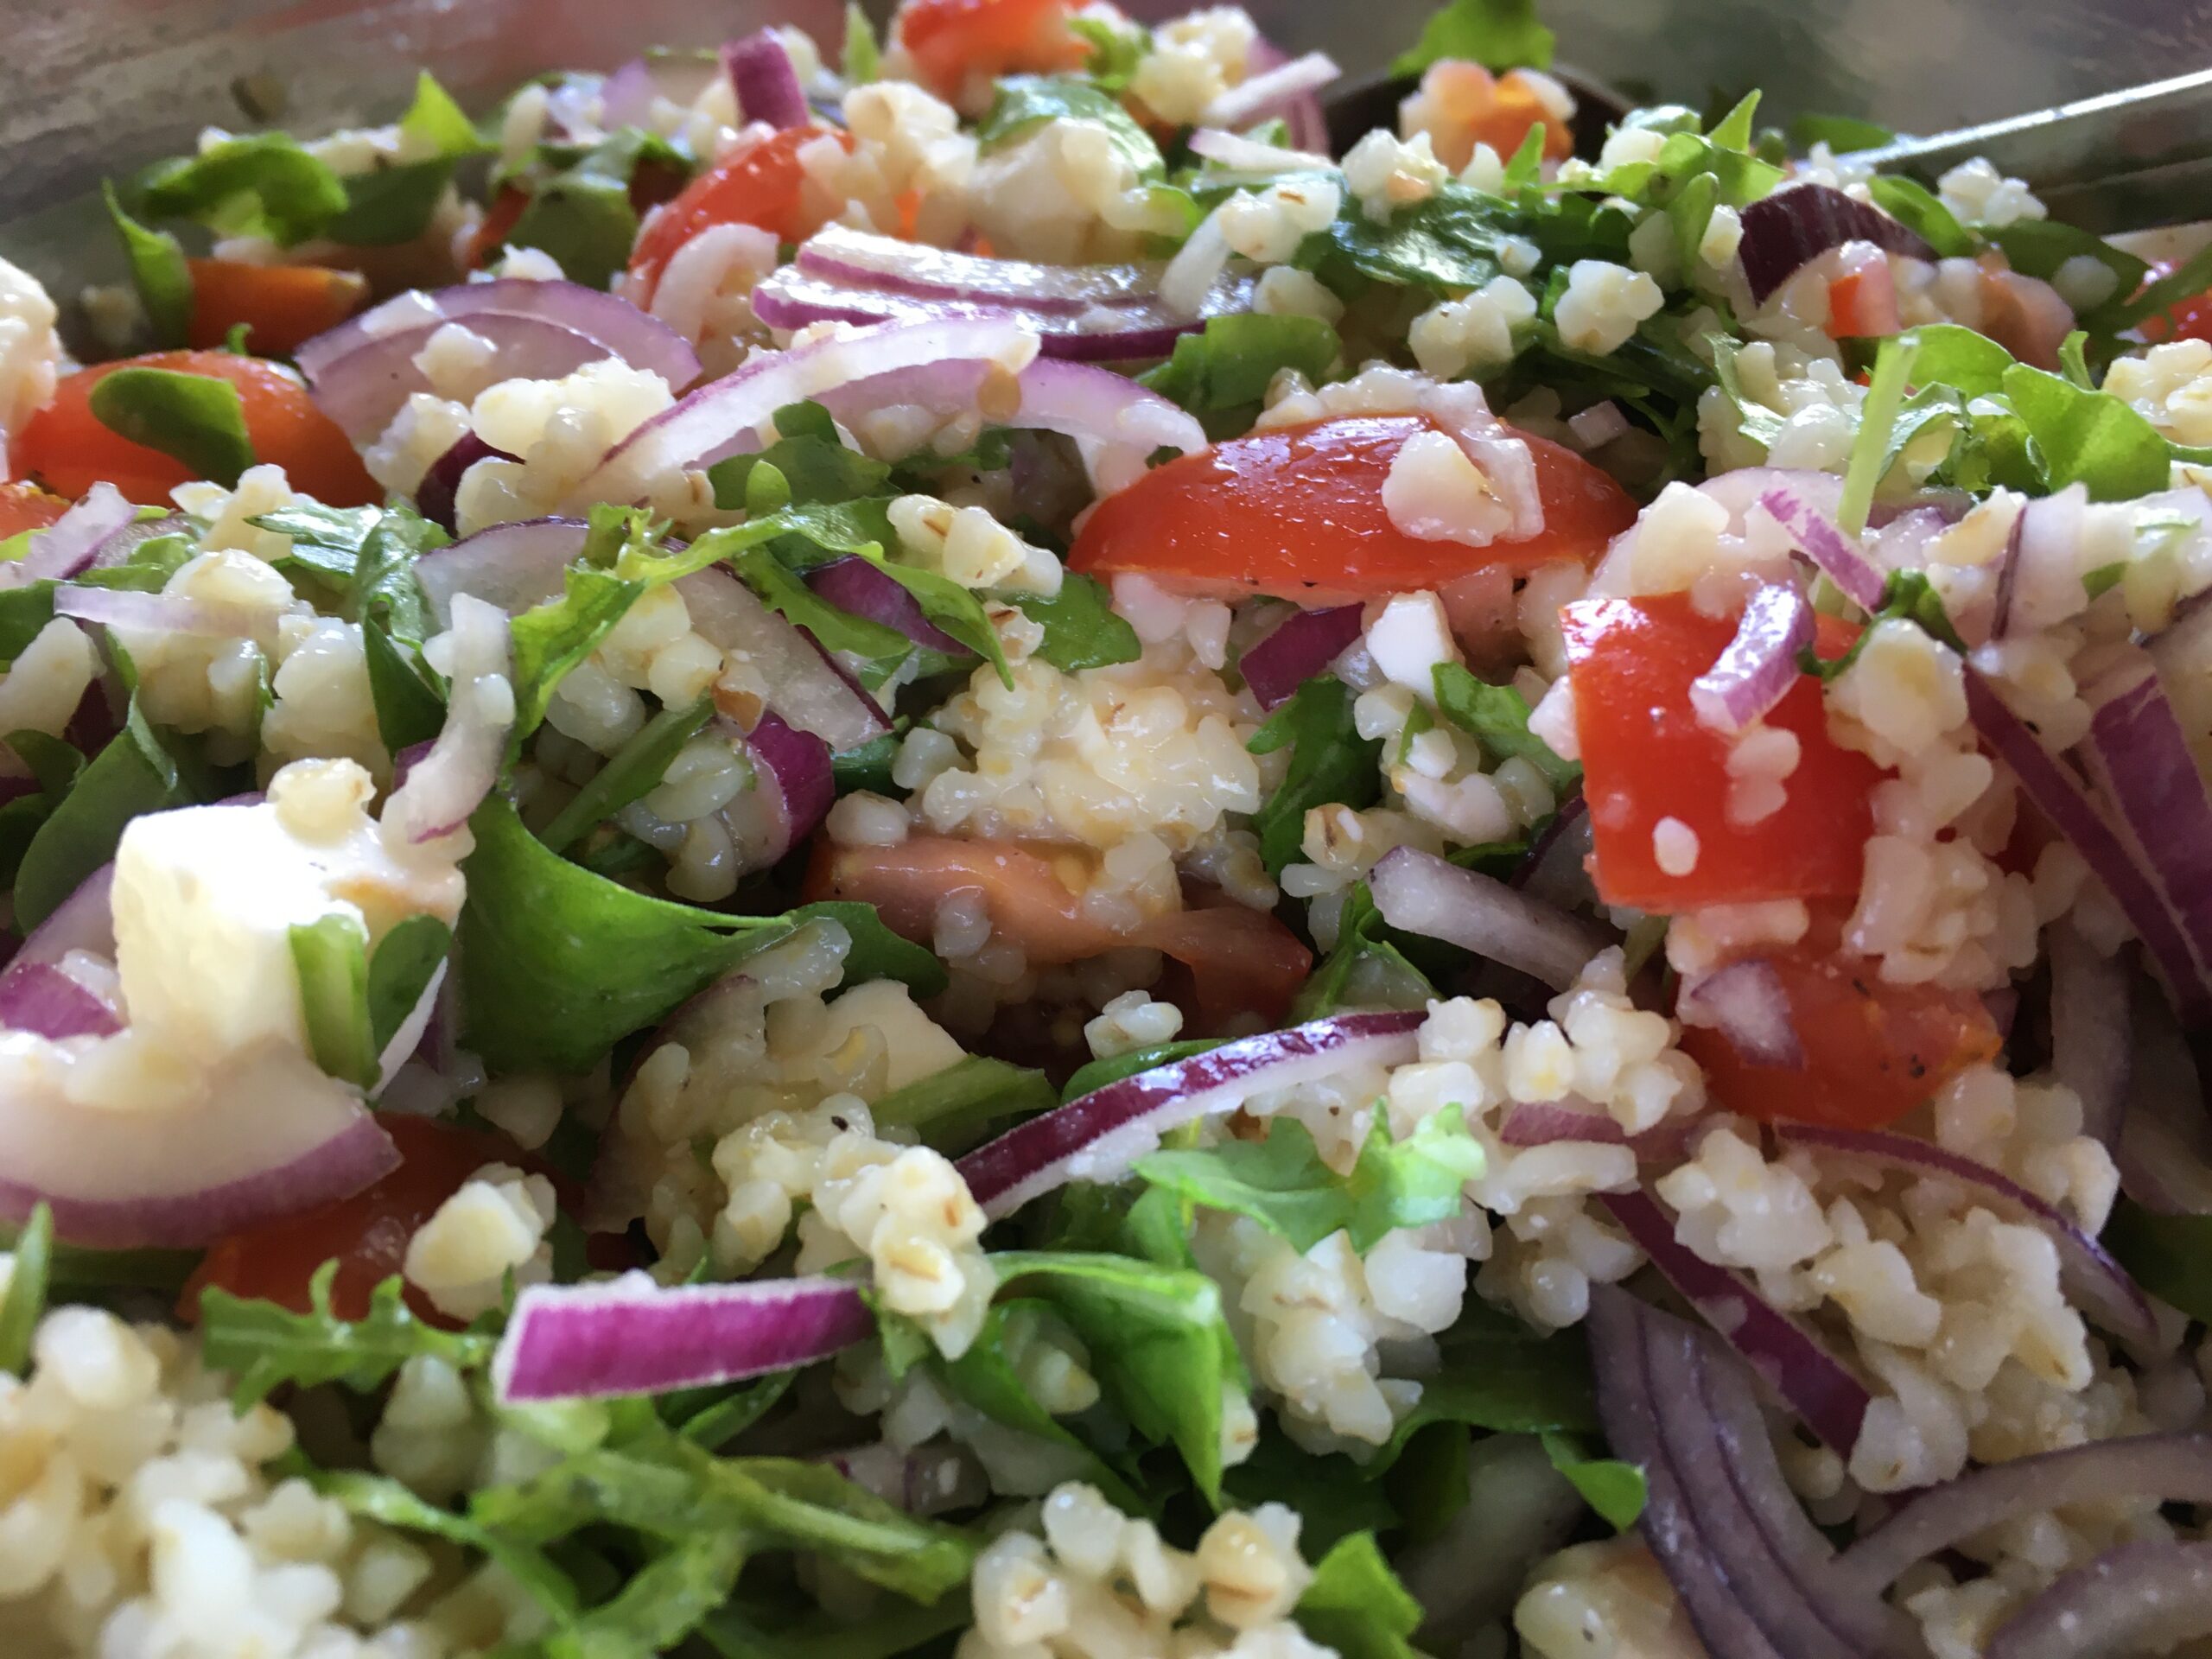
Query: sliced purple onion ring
point(1745, 1002)
point(1272, 90)
point(1098, 1137)
point(511, 566)
point(1300, 647)
point(68, 544)
point(143, 612)
point(40, 998)
point(765, 81)
point(2092, 1030)
point(2172, 1468)
point(1544, 1123)
point(1837, 555)
point(2098, 1284)
point(2138, 754)
point(1422, 894)
point(2061, 798)
point(860, 587)
point(434, 496)
point(2148, 1597)
point(1238, 153)
point(365, 389)
point(804, 685)
point(448, 783)
point(848, 258)
point(1300, 111)
point(1787, 1358)
point(1789, 229)
point(119, 545)
point(632, 1336)
point(801, 786)
point(1759, 665)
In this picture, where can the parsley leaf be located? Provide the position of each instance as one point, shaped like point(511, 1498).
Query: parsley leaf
point(1221, 374)
point(1356, 1606)
point(266, 1346)
point(1330, 762)
point(1080, 627)
point(262, 184)
point(1496, 716)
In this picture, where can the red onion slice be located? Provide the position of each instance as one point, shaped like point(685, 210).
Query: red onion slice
point(632, 1336)
point(2061, 799)
point(434, 495)
point(1300, 647)
point(2172, 1468)
point(365, 389)
point(2099, 1284)
point(1239, 154)
point(68, 545)
point(798, 773)
point(1846, 565)
point(1300, 111)
point(1544, 1123)
point(2092, 1030)
point(1789, 1359)
point(1745, 1002)
point(126, 608)
point(765, 82)
point(84, 921)
point(861, 587)
point(118, 544)
point(2138, 751)
point(848, 258)
point(1422, 894)
point(1272, 90)
point(38, 997)
point(804, 686)
point(1758, 666)
point(2149, 1596)
point(639, 340)
point(1098, 1137)
point(1789, 229)
point(511, 566)
point(448, 783)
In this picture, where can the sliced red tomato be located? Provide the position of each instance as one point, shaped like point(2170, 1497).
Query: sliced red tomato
point(282, 305)
point(1646, 757)
point(26, 507)
point(1240, 961)
point(763, 185)
point(1873, 1051)
point(65, 446)
point(2190, 319)
point(1298, 511)
point(952, 41)
point(366, 1234)
point(1863, 303)
point(500, 220)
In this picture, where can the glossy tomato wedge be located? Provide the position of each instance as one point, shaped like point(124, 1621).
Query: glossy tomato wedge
point(366, 1234)
point(1240, 961)
point(954, 42)
point(2191, 319)
point(1646, 757)
point(1297, 511)
point(280, 305)
point(66, 447)
point(26, 507)
point(763, 185)
point(1873, 1051)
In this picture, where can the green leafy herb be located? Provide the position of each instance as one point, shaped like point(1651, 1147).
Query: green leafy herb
point(2187, 280)
point(1870, 450)
point(1096, 1074)
point(393, 202)
point(400, 970)
point(195, 418)
point(630, 773)
point(22, 1300)
point(261, 184)
point(580, 212)
point(987, 1377)
point(1330, 762)
point(1026, 102)
point(331, 956)
point(2171, 1256)
point(1915, 206)
point(265, 1347)
point(558, 964)
point(2090, 438)
point(1496, 716)
point(552, 639)
point(1158, 1343)
point(815, 466)
point(1454, 240)
point(862, 60)
point(2038, 247)
point(1283, 1183)
point(1615, 1490)
point(378, 1498)
point(1222, 373)
point(1356, 1606)
point(950, 1109)
point(1367, 968)
point(157, 271)
point(1496, 34)
point(408, 708)
point(1081, 629)
point(1115, 52)
point(1907, 596)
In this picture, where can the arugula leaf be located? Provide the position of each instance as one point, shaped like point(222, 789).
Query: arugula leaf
point(1368, 969)
point(381, 1499)
point(1946, 353)
point(868, 765)
point(1331, 1495)
point(393, 202)
point(1842, 134)
point(1159, 1345)
point(660, 1604)
point(715, 1425)
point(1283, 1183)
point(157, 271)
point(141, 769)
point(862, 60)
point(260, 184)
point(1224, 372)
point(1915, 206)
point(23, 1303)
point(1496, 34)
point(735, 1632)
point(195, 418)
point(1115, 52)
point(1096, 1074)
point(1496, 716)
point(2171, 1256)
point(882, 650)
point(331, 956)
point(985, 1377)
point(265, 1347)
point(580, 212)
point(1615, 1490)
point(1025, 103)
point(400, 970)
point(816, 467)
point(1330, 762)
point(1081, 629)
point(409, 709)
point(1356, 1606)
point(2185, 281)
point(553, 638)
point(2091, 438)
point(630, 773)
point(57, 765)
point(1907, 595)
point(1871, 450)
point(558, 964)
point(949, 1108)
point(1452, 241)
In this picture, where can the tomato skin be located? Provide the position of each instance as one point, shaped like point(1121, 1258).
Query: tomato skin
point(1297, 511)
point(1863, 304)
point(367, 1233)
point(1240, 961)
point(951, 40)
point(500, 220)
point(1645, 757)
point(2190, 319)
point(67, 448)
point(26, 507)
point(765, 185)
point(283, 305)
point(1873, 1051)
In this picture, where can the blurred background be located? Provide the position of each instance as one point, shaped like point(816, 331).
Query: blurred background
point(90, 87)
